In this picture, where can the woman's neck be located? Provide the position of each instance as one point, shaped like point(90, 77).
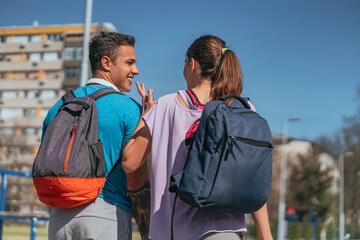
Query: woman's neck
point(202, 91)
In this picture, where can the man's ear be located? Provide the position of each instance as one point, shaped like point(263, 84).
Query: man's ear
point(105, 63)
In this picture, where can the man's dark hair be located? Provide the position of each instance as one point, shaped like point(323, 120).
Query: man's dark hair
point(107, 44)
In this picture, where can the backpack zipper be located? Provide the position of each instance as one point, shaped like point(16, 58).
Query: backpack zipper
point(248, 141)
point(208, 122)
point(69, 149)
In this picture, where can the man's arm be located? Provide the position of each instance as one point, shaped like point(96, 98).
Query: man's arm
point(138, 185)
point(261, 220)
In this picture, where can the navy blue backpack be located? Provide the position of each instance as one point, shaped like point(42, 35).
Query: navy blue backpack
point(229, 165)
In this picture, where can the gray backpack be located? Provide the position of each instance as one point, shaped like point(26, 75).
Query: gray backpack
point(69, 168)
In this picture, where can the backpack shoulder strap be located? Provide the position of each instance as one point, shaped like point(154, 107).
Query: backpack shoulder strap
point(242, 100)
point(103, 92)
point(68, 96)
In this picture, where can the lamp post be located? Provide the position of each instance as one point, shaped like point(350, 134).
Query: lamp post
point(282, 186)
point(84, 64)
point(341, 194)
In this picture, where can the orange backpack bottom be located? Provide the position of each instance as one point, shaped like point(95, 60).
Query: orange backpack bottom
point(67, 192)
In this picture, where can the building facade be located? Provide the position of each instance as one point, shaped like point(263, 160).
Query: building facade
point(37, 65)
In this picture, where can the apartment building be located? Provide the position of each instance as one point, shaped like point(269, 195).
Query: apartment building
point(37, 65)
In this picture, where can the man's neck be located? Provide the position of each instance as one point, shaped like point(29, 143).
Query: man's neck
point(103, 75)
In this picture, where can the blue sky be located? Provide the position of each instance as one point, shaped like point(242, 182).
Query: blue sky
point(299, 57)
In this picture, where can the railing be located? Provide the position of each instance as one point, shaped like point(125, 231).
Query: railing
point(6, 215)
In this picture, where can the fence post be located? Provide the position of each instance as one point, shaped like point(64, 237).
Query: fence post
point(3, 197)
point(34, 221)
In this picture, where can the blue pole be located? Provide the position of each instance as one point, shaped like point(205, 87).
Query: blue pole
point(3, 191)
point(3, 197)
point(34, 221)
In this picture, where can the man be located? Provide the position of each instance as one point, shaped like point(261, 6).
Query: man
point(113, 65)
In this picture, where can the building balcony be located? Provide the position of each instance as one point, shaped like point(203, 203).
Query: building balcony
point(29, 84)
point(71, 83)
point(72, 62)
point(21, 141)
point(26, 122)
point(25, 103)
point(23, 66)
point(48, 46)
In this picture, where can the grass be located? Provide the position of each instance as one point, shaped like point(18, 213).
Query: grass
point(21, 231)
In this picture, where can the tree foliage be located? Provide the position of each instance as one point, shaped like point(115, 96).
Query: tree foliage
point(348, 140)
point(309, 186)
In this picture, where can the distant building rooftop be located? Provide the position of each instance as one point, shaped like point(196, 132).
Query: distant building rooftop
point(36, 28)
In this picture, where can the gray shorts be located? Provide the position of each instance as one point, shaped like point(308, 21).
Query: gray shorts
point(96, 220)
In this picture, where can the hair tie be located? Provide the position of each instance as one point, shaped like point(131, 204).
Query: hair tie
point(223, 51)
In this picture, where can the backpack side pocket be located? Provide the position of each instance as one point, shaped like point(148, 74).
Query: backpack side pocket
point(97, 159)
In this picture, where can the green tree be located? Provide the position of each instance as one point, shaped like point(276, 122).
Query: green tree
point(319, 229)
point(352, 173)
point(294, 231)
point(330, 231)
point(348, 139)
point(309, 185)
point(307, 230)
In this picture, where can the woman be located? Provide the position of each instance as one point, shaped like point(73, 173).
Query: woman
point(211, 71)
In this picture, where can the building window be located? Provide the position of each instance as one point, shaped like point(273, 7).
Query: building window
point(9, 95)
point(31, 112)
point(51, 56)
point(73, 53)
point(72, 72)
point(54, 37)
point(21, 39)
point(8, 39)
point(7, 131)
point(48, 94)
point(35, 57)
point(32, 94)
point(30, 132)
point(10, 113)
point(36, 38)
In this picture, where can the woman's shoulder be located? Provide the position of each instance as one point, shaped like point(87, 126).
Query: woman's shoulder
point(168, 96)
point(167, 99)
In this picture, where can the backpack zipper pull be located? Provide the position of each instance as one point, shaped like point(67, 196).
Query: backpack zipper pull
point(73, 130)
point(231, 143)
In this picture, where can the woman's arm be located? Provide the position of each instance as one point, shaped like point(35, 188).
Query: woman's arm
point(134, 156)
point(261, 220)
point(137, 149)
point(139, 145)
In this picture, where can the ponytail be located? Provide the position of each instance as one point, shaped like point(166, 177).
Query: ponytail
point(219, 64)
point(228, 78)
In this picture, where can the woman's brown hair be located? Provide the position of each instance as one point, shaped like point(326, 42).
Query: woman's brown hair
point(219, 64)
